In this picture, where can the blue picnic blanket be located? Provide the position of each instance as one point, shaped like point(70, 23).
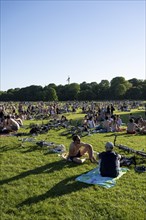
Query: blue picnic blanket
point(93, 177)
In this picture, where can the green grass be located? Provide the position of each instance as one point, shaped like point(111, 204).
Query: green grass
point(40, 185)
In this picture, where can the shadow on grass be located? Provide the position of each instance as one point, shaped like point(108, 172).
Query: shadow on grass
point(31, 149)
point(113, 134)
point(48, 168)
point(22, 147)
point(64, 187)
point(123, 134)
point(6, 148)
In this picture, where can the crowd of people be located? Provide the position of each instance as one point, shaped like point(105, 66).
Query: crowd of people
point(107, 121)
point(99, 116)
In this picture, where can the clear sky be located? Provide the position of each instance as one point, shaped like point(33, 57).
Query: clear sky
point(44, 42)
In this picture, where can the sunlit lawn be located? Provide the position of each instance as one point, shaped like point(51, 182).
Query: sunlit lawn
point(36, 184)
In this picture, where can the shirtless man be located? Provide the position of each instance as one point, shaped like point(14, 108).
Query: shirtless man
point(77, 149)
point(131, 126)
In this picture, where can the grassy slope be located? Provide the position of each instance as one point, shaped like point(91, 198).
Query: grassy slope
point(38, 185)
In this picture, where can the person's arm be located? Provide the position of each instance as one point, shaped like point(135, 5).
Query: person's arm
point(14, 123)
point(119, 156)
point(72, 150)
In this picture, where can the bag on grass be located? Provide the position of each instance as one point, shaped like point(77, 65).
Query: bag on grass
point(125, 161)
point(140, 169)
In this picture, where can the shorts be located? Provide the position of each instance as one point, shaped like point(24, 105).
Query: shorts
point(131, 132)
point(77, 155)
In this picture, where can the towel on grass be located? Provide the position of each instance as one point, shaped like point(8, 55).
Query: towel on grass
point(93, 177)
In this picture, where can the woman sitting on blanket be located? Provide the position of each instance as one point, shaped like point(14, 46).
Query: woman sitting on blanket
point(77, 149)
point(109, 161)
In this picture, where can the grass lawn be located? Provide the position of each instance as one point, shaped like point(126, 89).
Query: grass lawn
point(39, 185)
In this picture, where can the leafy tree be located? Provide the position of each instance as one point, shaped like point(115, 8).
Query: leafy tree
point(134, 93)
point(95, 89)
point(73, 90)
point(4, 96)
point(104, 89)
point(117, 84)
point(30, 93)
point(135, 82)
point(104, 84)
point(85, 95)
point(52, 85)
point(60, 92)
point(50, 94)
point(85, 86)
point(143, 85)
point(118, 88)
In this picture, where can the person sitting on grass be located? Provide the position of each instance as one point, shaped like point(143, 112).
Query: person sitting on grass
point(64, 121)
point(77, 149)
point(131, 127)
point(10, 124)
point(143, 129)
point(106, 124)
point(109, 161)
point(85, 123)
point(114, 125)
point(91, 123)
point(18, 120)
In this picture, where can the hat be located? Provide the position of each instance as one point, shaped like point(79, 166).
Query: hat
point(109, 146)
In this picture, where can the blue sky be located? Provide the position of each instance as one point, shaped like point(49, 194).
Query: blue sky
point(44, 42)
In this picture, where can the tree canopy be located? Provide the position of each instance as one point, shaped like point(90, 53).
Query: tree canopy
point(117, 89)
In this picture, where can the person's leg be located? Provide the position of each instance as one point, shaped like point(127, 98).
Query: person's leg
point(14, 128)
point(78, 160)
point(89, 150)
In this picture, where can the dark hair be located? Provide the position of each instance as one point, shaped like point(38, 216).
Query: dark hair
point(8, 116)
point(75, 137)
point(131, 120)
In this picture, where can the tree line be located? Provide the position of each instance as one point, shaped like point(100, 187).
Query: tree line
point(117, 89)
